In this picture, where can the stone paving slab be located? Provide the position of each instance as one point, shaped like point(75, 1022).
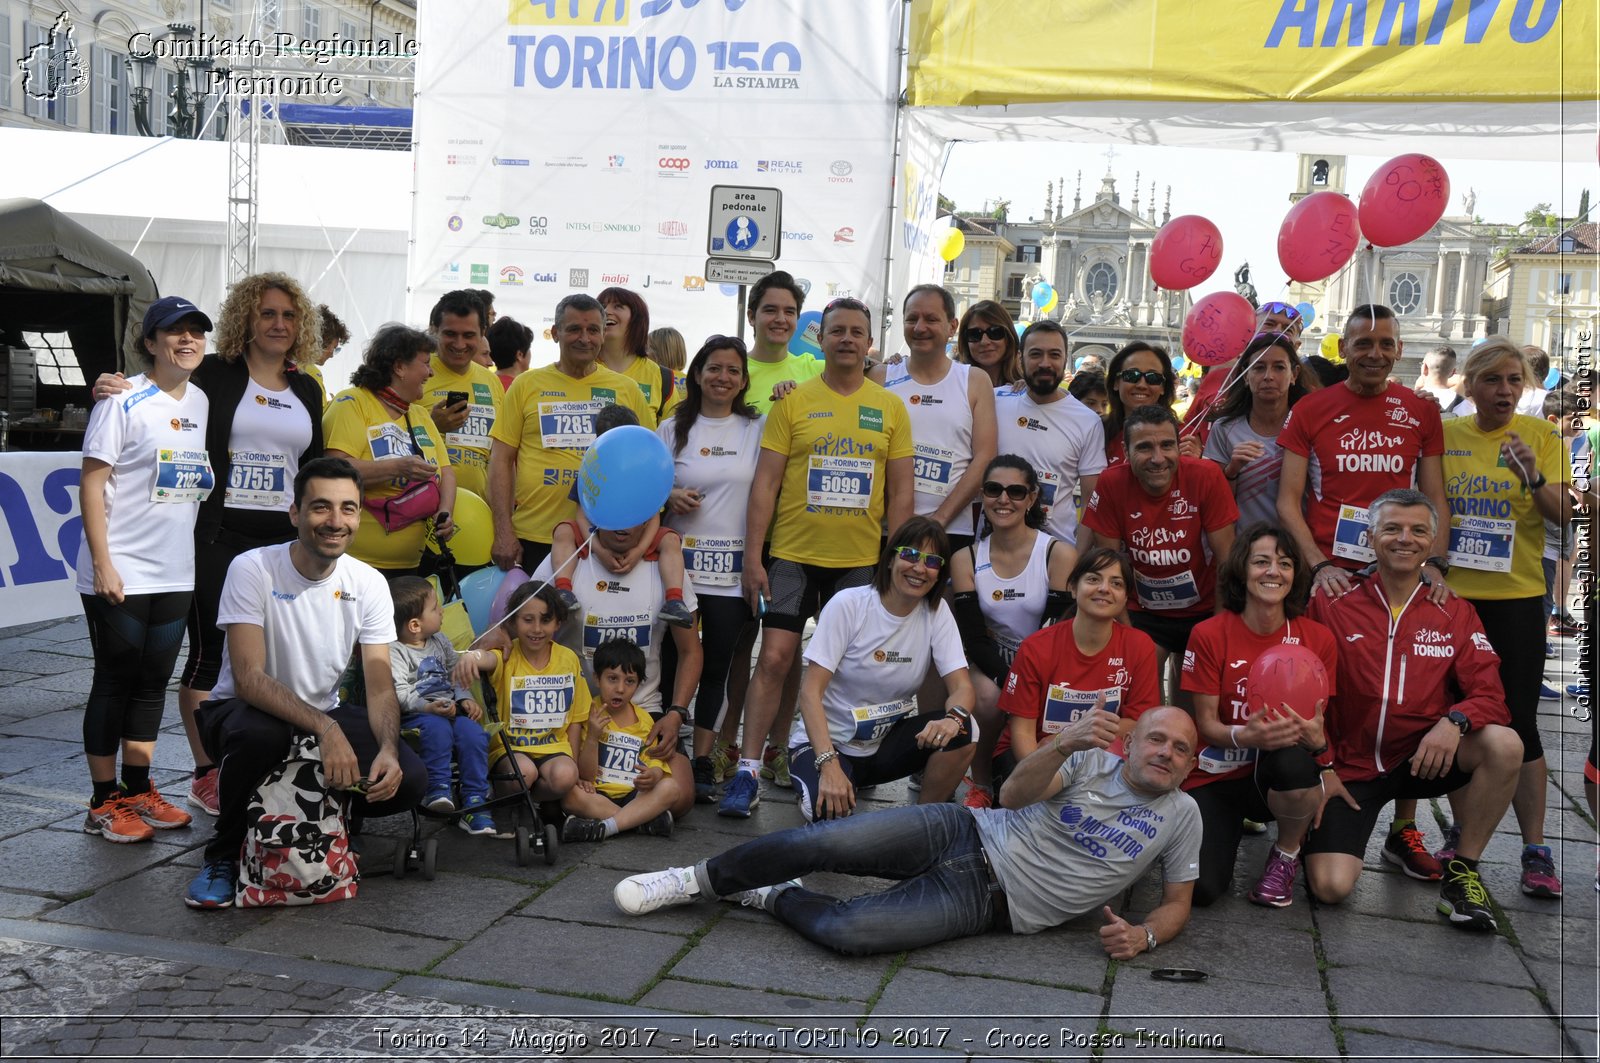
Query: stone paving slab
point(397, 949)
point(1065, 956)
point(541, 954)
point(131, 906)
point(1363, 1045)
point(65, 864)
point(1014, 1019)
point(768, 955)
point(1285, 1021)
point(1451, 1010)
point(679, 996)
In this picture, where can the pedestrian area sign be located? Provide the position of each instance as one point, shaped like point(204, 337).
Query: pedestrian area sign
point(745, 222)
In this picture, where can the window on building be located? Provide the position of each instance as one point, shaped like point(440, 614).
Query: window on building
point(1568, 244)
point(5, 61)
point(1102, 278)
point(1014, 286)
point(311, 22)
point(1405, 293)
point(1027, 252)
point(349, 30)
point(53, 354)
point(109, 92)
point(1563, 284)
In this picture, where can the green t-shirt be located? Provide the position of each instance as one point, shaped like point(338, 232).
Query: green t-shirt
point(765, 375)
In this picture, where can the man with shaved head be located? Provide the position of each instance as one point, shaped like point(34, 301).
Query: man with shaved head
point(1078, 825)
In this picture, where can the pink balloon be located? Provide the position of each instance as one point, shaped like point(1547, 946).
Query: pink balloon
point(1318, 236)
point(1185, 252)
point(1287, 674)
point(1403, 199)
point(1218, 328)
point(502, 598)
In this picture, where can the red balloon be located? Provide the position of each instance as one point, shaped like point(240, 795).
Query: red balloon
point(1287, 674)
point(1219, 327)
point(1185, 252)
point(1404, 199)
point(1318, 236)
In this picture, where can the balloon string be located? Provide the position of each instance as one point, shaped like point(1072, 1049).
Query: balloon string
point(569, 561)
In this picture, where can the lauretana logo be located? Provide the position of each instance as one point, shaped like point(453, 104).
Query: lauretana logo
point(672, 229)
point(844, 235)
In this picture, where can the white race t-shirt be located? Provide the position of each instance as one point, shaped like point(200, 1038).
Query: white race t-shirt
point(941, 435)
point(878, 661)
point(311, 626)
point(156, 447)
point(271, 429)
point(618, 607)
point(719, 461)
point(1063, 440)
point(1012, 608)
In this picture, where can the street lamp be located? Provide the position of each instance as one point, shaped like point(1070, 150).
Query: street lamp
point(185, 104)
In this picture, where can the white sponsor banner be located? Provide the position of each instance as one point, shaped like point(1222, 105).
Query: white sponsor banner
point(571, 145)
point(39, 501)
point(923, 154)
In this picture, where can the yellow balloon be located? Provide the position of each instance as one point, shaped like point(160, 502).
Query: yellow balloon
point(474, 529)
point(1055, 298)
point(1330, 349)
point(951, 244)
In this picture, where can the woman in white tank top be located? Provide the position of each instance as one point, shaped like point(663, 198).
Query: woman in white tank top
point(1008, 585)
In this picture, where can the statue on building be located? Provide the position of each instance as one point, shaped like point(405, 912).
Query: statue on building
point(1242, 285)
point(1469, 203)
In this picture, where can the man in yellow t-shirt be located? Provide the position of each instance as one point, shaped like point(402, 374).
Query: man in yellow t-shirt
point(774, 315)
point(836, 458)
point(457, 323)
point(546, 425)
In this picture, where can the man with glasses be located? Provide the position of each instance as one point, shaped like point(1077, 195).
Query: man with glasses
point(1055, 433)
point(836, 463)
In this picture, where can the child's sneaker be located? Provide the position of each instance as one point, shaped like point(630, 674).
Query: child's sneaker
point(673, 611)
point(114, 821)
point(1539, 872)
point(156, 810)
point(439, 801)
point(660, 827)
point(705, 781)
point(578, 829)
point(478, 820)
point(775, 766)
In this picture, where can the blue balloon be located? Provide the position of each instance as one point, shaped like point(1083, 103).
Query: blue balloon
point(1178, 362)
point(1308, 314)
point(1041, 294)
point(1552, 378)
point(625, 478)
point(477, 592)
point(807, 338)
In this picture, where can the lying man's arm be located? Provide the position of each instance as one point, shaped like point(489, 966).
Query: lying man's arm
point(1123, 940)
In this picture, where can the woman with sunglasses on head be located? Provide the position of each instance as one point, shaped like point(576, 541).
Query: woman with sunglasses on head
point(871, 650)
point(1140, 374)
point(715, 438)
point(987, 338)
point(1009, 584)
point(1246, 423)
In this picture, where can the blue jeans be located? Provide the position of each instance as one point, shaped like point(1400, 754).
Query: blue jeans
point(933, 849)
point(471, 746)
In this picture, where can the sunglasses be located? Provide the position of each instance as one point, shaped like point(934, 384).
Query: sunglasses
point(912, 555)
point(994, 489)
point(1149, 376)
point(1293, 312)
point(994, 332)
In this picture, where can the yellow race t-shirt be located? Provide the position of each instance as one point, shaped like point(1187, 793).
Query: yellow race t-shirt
point(469, 444)
point(549, 417)
point(647, 374)
point(358, 423)
point(766, 375)
point(622, 755)
point(1496, 532)
point(314, 371)
point(831, 501)
point(537, 705)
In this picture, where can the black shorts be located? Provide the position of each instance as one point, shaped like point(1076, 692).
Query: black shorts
point(896, 757)
point(1171, 633)
point(1515, 628)
point(1346, 830)
point(533, 554)
point(799, 591)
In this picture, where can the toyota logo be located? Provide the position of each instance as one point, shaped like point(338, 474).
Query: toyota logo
point(669, 163)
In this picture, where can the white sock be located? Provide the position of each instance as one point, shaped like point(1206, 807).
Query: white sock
point(750, 766)
point(1287, 855)
point(610, 825)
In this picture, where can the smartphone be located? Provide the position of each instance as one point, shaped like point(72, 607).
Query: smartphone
point(761, 604)
point(455, 398)
point(1178, 974)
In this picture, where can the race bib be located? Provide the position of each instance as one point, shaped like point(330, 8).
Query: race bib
point(474, 431)
point(1483, 543)
point(540, 702)
point(843, 483)
point(182, 476)
point(872, 722)
point(390, 440)
point(635, 627)
point(1063, 705)
point(257, 479)
point(933, 468)
point(568, 425)
point(713, 562)
point(1219, 760)
point(1352, 535)
point(1048, 482)
point(619, 758)
point(1167, 592)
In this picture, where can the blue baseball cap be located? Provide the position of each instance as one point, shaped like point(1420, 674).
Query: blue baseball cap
point(166, 312)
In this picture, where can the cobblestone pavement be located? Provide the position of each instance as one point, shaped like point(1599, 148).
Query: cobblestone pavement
point(99, 959)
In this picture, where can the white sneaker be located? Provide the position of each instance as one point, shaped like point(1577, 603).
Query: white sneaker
point(638, 894)
point(761, 896)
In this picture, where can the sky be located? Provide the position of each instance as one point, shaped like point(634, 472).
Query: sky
point(1246, 194)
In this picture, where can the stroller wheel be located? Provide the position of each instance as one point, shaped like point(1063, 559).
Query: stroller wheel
point(430, 858)
point(524, 844)
point(401, 849)
point(552, 843)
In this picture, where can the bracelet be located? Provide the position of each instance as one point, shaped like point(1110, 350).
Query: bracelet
point(1323, 769)
point(1319, 566)
point(1149, 937)
point(1233, 736)
point(1314, 753)
point(823, 758)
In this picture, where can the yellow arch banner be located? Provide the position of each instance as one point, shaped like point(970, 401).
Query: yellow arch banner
point(977, 52)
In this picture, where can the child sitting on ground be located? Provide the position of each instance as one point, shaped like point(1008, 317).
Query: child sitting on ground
point(540, 687)
point(619, 786)
point(444, 715)
point(568, 535)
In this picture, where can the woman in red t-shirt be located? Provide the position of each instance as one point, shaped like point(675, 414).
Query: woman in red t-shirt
point(1254, 765)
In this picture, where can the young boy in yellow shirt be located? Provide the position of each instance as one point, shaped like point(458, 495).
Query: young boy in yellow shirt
point(618, 784)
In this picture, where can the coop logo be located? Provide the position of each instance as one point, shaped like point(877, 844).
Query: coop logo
point(844, 235)
point(778, 166)
point(511, 275)
point(722, 164)
point(577, 278)
point(501, 160)
point(454, 224)
point(501, 221)
point(539, 226)
point(673, 165)
point(672, 230)
point(694, 284)
point(839, 173)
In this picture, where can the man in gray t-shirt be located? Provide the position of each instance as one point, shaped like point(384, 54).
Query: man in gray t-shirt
point(1078, 826)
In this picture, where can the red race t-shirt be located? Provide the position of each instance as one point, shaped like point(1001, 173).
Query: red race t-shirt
point(1174, 573)
point(1052, 681)
point(1221, 651)
point(1357, 447)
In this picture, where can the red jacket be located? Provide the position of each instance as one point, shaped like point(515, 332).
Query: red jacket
point(1397, 678)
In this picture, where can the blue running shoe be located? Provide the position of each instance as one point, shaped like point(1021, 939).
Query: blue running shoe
point(214, 886)
point(740, 796)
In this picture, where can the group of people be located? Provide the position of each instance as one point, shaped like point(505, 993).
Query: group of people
point(1055, 607)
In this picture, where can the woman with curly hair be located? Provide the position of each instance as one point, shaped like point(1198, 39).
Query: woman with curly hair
point(265, 422)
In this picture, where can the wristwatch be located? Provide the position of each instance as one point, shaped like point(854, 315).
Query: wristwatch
point(1440, 563)
point(1149, 937)
point(1459, 718)
point(1540, 482)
